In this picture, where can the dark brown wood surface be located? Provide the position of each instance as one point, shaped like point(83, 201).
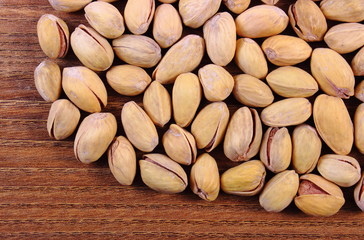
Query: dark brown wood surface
point(45, 193)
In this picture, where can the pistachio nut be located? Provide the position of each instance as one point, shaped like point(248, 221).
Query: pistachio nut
point(210, 124)
point(276, 149)
point(128, 80)
point(84, 88)
point(217, 83)
point(343, 170)
point(357, 64)
point(138, 127)
point(306, 148)
point(345, 37)
point(91, 48)
point(182, 57)
point(162, 174)
point(122, 160)
point(63, 119)
point(205, 178)
point(359, 128)
point(138, 15)
point(344, 11)
point(243, 135)
point(333, 123)
point(284, 50)
point(105, 19)
point(358, 193)
point(48, 80)
point(261, 21)
point(287, 112)
point(307, 20)
point(137, 50)
point(318, 197)
point(180, 145)
point(251, 91)
point(186, 98)
point(157, 104)
point(167, 25)
point(270, 2)
point(53, 36)
point(94, 136)
point(332, 73)
point(292, 82)
point(279, 191)
point(237, 6)
point(68, 5)
point(195, 13)
point(219, 33)
point(250, 58)
point(246, 179)
point(359, 91)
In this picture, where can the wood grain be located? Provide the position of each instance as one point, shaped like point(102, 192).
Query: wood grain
point(46, 194)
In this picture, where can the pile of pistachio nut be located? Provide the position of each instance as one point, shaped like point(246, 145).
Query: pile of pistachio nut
point(225, 37)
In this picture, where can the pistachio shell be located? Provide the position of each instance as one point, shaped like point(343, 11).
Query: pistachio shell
point(68, 5)
point(358, 193)
point(138, 15)
point(333, 123)
point(236, 6)
point(359, 91)
point(48, 80)
point(270, 2)
point(357, 64)
point(246, 179)
point(359, 128)
point(344, 11)
point(195, 13)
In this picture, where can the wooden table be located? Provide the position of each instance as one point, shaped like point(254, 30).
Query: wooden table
point(45, 193)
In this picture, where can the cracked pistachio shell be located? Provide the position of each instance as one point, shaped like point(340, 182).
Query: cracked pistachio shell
point(84, 88)
point(318, 197)
point(306, 145)
point(333, 123)
point(292, 82)
point(220, 36)
point(217, 83)
point(93, 50)
point(137, 50)
point(243, 135)
point(186, 98)
point(122, 160)
point(279, 191)
point(359, 193)
point(138, 127)
point(128, 80)
point(195, 13)
point(261, 21)
point(343, 170)
point(359, 91)
point(287, 112)
point(251, 91)
point(307, 20)
point(236, 6)
point(284, 50)
point(68, 5)
point(105, 19)
point(138, 15)
point(357, 64)
point(167, 25)
point(246, 179)
point(182, 57)
point(48, 80)
point(162, 174)
point(94, 136)
point(359, 128)
point(210, 124)
point(345, 37)
point(180, 145)
point(63, 119)
point(276, 149)
point(250, 58)
point(157, 104)
point(205, 178)
point(332, 73)
point(344, 11)
point(53, 36)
